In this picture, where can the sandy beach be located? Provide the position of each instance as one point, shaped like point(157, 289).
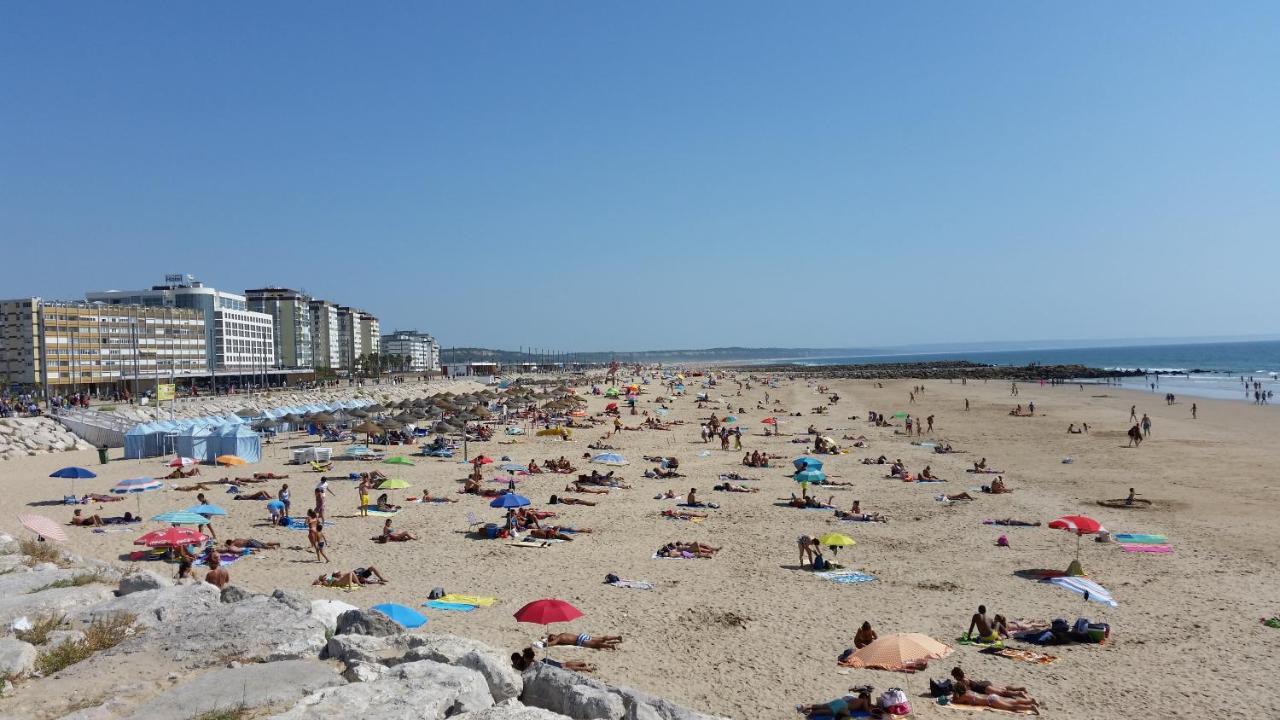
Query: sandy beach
point(748, 634)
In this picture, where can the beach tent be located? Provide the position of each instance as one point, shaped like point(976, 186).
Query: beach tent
point(194, 442)
point(143, 441)
point(240, 441)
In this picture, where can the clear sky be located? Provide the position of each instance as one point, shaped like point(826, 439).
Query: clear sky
point(600, 175)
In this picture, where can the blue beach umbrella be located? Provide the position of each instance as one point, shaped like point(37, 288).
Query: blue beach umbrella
point(206, 510)
point(405, 616)
point(72, 474)
point(181, 517)
point(807, 463)
point(810, 476)
point(609, 459)
point(510, 500)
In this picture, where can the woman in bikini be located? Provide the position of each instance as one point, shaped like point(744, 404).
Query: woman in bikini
point(963, 694)
point(604, 642)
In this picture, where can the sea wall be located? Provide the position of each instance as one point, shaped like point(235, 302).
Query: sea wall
point(942, 370)
point(20, 437)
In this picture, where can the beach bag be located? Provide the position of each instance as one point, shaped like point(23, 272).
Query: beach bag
point(940, 688)
point(893, 697)
point(819, 563)
point(436, 593)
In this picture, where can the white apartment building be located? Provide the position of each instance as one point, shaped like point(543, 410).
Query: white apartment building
point(325, 338)
point(422, 350)
point(245, 341)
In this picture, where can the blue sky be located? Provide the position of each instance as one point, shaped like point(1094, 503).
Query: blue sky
point(589, 176)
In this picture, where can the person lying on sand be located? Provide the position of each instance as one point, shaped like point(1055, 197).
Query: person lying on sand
point(192, 488)
point(77, 518)
point(587, 489)
point(683, 514)
point(604, 642)
point(986, 687)
point(522, 661)
point(855, 513)
point(359, 576)
point(958, 496)
point(557, 500)
point(269, 476)
point(1010, 522)
point(687, 550)
point(239, 544)
point(730, 487)
point(260, 495)
point(180, 473)
point(962, 694)
point(809, 501)
point(876, 461)
point(556, 533)
point(944, 449)
point(426, 498)
point(96, 498)
point(840, 708)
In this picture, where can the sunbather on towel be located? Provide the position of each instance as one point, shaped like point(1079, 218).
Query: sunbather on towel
point(1010, 522)
point(96, 498)
point(269, 476)
point(557, 500)
point(359, 576)
point(125, 519)
point(426, 498)
point(390, 535)
point(260, 495)
point(383, 505)
point(988, 631)
point(590, 490)
point(998, 486)
point(855, 513)
point(192, 488)
point(522, 661)
point(957, 496)
point(236, 545)
point(687, 550)
point(841, 707)
point(556, 533)
point(962, 694)
point(731, 487)
point(604, 642)
point(986, 687)
point(77, 518)
point(683, 514)
point(865, 635)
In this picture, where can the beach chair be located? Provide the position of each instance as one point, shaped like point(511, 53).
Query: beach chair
point(473, 521)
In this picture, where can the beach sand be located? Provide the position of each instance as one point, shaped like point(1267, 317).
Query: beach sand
point(747, 634)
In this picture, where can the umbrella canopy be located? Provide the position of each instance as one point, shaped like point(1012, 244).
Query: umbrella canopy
point(810, 476)
point(367, 427)
point(807, 463)
point(230, 460)
point(397, 460)
point(836, 540)
point(514, 467)
point(136, 485)
point(770, 421)
point(1079, 524)
point(265, 424)
point(609, 459)
point(1087, 588)
point(547, 611)
point(894, 652)
point(171, 537)
point(482, 460)
point(322, 417)
point(181, 517)
point(181, 462)
point(248, 413)
point(206, 510)
point(358, 413)
point(393, 484)
point(74, 473)
point(44, 527)
point(375, 408)
point(510, 500)
point(404, 616)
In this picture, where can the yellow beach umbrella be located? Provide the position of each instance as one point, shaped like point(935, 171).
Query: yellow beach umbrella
point(836, 540)
point(393, 484)
point(229, 460)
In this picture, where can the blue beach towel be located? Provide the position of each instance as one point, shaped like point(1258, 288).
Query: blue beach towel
point(442, 605)
point(845, 577)
point(1140, 539)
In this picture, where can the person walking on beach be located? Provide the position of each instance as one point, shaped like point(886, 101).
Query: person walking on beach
point(1133, 413)
point(966, 404)
point(1193, 411)
point(315, 534)
point(737, 438)
point(930, 421)
point(1146, 426)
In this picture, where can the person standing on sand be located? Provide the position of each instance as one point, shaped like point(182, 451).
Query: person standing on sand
point(322, 489)
point(315, 534)
point(930, 421)
point(966, 404)
point(1133, 413)
point(1193, 411)
point(364, 496)
point(1146, 426)
point(283, 496)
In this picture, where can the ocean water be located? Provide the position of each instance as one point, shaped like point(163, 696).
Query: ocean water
point(1200, 369)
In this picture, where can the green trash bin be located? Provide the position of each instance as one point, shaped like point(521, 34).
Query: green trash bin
point(102, 454)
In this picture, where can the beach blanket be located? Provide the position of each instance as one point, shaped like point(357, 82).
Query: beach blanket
point(1030, 656)
point(927, 482)
point(531, 543)
point(478, 600)
point(687, 519)
point(656, 556)
point(454, 607)
point(373, 512)
point(845, 577)
point(984, 708)
point(633, 584)
point(223, 558)
point(301, 523)
point(967, 640)
point(1155, 549)
point(1140, 539)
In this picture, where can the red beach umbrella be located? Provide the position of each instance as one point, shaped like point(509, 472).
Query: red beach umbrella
point(171, 537)
point(482, 460)
point(1080, 525)
point(770, 421)
point(547, 611)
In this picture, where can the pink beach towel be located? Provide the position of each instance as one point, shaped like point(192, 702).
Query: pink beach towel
point(1162, 549)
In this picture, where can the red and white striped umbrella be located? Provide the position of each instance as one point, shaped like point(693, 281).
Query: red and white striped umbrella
point(1078, 524)
point(44, 527)
point(182, 462)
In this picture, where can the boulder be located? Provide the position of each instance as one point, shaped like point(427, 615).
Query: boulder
point(583, 698)
point(422, 690)
point(16, 658)
point(511, 711)
point(504, 682)
point(294, 599)
point(247, 687)
point(358, 648)
point(327, 611)
point(140, 580)
point(364, 672)
point(59, 601)
point(234, 594)
point(57, 637)
point(366, 622)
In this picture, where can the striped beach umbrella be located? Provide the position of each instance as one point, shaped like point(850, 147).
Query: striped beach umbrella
point(171, 537)
point(136, 485)
point(43, 527)
point(180, 517)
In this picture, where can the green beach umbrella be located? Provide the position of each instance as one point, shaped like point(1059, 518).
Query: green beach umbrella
point(397, 460)
point(393, 484)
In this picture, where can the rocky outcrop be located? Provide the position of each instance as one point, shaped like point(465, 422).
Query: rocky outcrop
point(189, 652)
point(20, 437)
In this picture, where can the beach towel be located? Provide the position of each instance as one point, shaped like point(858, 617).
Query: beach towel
point(1030, 656)
point(223, 558)
point(301, 524)
point(478, 600)
point(845, 577)
point(984, 708)
point(381, 513)
point(1155, 549)
point(687, 519)
point(1141, 538)
point(656, 556)
point(927, 482)
point(976, 642)
point(531, 543)
point(633, 584)
point(113, 529)
point(453, 607)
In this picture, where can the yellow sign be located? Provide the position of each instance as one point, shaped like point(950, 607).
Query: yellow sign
point(164, 391)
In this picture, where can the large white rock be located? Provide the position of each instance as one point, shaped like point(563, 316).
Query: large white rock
point(140, 580)
point(422, 690)
point(247, 687)
point(16, 657)
point(327, 611)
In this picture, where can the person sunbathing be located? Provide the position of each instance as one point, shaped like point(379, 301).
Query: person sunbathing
point(683, 514)
point(590, 490)
point(855, 513)
point(126, 519)
point(359, 576)
point(269, 476)
point(556, 533)
point(524, 660)
point(986, 687)
point(192, 488)
point(533, 468)
point(85, 520)
point(958, 496)
point(557, 500)
point(980, 465)
point(250, 480)
point(383, 505)
point(987, 631)
point(178, 473)
point(260, 495)
point(944, 449)
point(811, 501)
point(840, 708)
point(998, 486)
point(240, 544)
point(604, 642)
point(390, 535)
point(961, 694)
point(96, 498)
point(1010, 522)
point(426, 498)
point(927, 474)
point(865, 636)
point(694, 547)
point(897, 469)
point(730, 487)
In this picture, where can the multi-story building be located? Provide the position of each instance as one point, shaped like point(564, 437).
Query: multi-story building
point(369, 333)
point(347, 334)
point(290, 313)
point(245, 343)
point(420, 348)
point(325, 338)
point(219, 309)
point(82, 346)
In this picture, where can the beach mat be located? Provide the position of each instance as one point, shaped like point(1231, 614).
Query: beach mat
point(656, 556)
point(301, 524)
point(1140, 539)
point(451, 606)
point(478, 600)
point(381, 513)
point(1153, 549)
point(632, 584)
point(1030, 656)
point(531, 543)
point(845, 577)
point(223, 559)
point(984, 708)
